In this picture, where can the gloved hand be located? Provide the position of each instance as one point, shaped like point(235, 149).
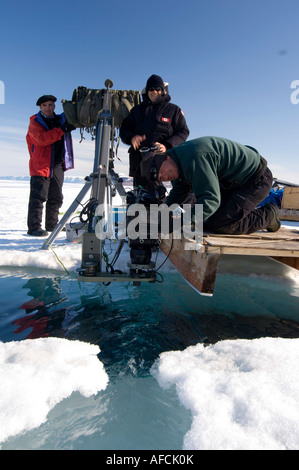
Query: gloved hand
point(66, 127)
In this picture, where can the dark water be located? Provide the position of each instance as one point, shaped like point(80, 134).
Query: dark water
point(136, 324)
point(132, 326)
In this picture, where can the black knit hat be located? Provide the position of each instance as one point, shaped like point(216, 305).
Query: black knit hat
point(154, 82)
point(150, 166)
point(45, 98)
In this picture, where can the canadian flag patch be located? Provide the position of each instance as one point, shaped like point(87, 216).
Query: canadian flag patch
point(165, 119)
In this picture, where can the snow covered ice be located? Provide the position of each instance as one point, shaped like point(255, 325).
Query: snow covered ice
point(37, 374)
point(242, 394)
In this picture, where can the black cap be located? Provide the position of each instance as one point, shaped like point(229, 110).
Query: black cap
point(150, 166)
point(45, 98)
point(154, 82)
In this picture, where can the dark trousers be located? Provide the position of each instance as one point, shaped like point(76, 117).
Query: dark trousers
point(239, 212)
point(49, 191)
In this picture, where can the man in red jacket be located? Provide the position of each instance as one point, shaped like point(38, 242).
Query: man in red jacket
point(51, 154)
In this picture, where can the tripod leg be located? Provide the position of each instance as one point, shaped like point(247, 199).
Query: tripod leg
point(67, 215)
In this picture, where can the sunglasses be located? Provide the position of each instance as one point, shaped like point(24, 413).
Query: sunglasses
point(155, 89)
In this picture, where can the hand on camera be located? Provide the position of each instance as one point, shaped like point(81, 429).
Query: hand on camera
point(160, 148)
point(66, 127)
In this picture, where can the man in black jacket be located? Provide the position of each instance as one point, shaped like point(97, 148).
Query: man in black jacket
point(154, 123)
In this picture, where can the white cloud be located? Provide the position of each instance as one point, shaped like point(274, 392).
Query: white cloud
point(9, 132)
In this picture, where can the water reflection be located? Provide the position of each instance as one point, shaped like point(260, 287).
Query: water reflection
point(45, 294)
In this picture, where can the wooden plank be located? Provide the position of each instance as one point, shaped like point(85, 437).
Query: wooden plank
point(199, 263)
point(284, 242)
point(199, 269)
point(263, 250)
point(282, 234)
point(289, 214)
point(255, 247)
point(290, 198)
point(292, 262)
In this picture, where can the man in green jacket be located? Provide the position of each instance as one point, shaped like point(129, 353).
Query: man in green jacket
point(230, 180)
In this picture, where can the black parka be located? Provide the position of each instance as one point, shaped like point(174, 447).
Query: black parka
point(163, 122)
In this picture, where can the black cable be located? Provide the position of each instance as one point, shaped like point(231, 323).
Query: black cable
point(166, 256)
point(88, 211)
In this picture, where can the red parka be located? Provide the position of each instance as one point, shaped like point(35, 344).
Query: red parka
point(41, 140)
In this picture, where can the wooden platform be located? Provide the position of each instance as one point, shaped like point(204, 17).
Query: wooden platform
point(198, 263)
point(283, 243)
point(290, 204)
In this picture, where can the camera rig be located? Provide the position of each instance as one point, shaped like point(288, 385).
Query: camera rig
point(104, 183)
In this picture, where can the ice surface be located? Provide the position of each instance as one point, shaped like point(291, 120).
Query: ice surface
point(243, 394)
point(37, 374)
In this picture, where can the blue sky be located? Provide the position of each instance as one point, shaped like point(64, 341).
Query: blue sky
point(229, 63)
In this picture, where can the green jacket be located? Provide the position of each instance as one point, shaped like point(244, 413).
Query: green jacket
point(208, 163)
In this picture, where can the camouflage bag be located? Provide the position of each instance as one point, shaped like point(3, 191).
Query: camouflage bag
point(87, 104)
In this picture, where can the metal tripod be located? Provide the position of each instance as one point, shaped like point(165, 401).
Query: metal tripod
point(102, 182)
